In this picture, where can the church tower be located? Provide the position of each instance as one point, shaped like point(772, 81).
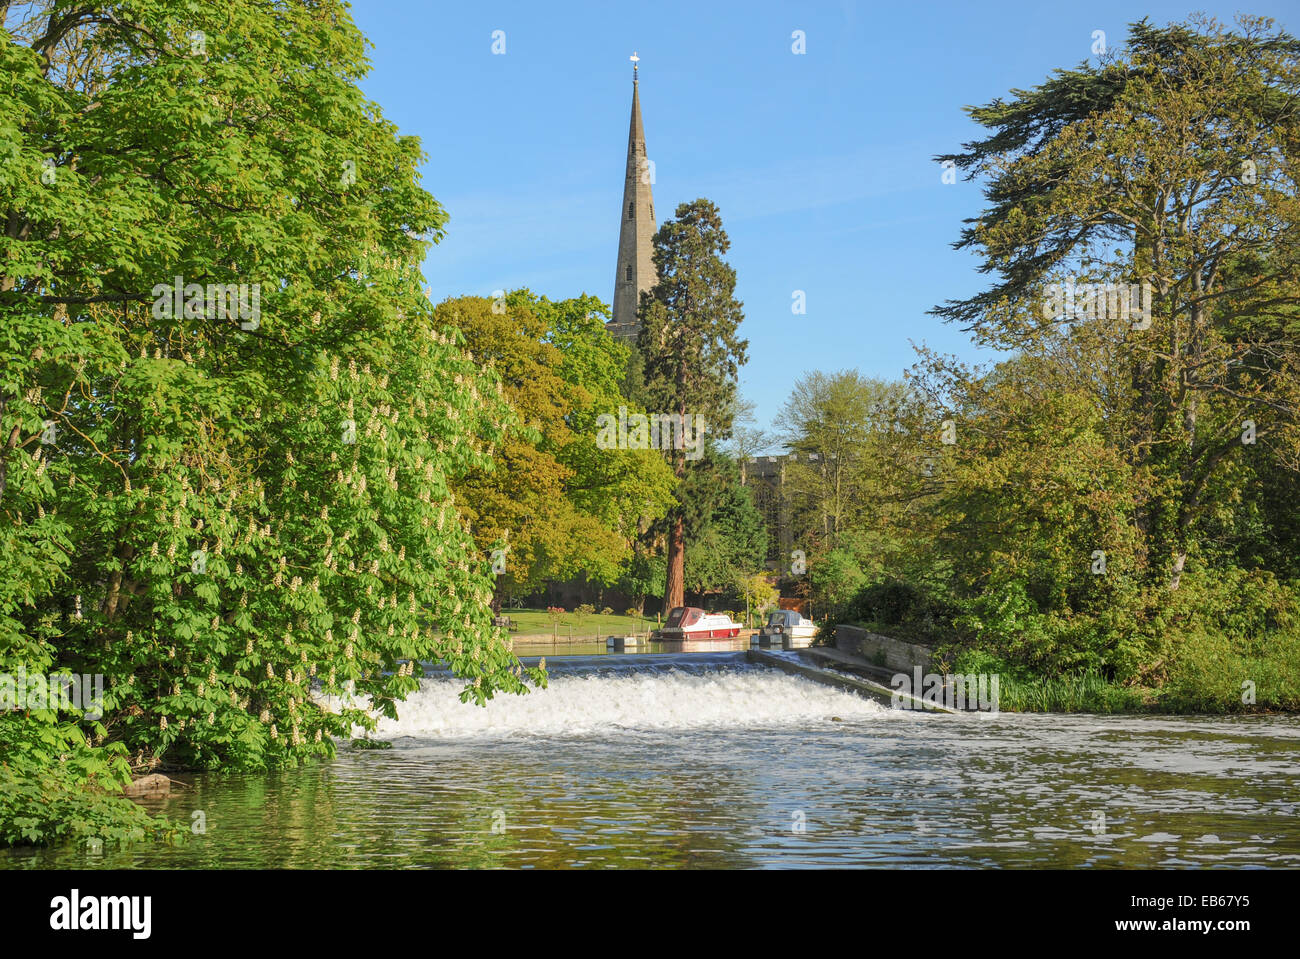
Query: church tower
point(635, 271)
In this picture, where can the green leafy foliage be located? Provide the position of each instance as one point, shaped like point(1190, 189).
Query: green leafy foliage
point(557, 504)
point(1099, 512)
point(725, 539)
point(225, 516)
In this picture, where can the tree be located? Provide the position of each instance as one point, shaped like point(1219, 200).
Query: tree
point(724, 531)
point(839, 428)
point(1032, 521)
point(215, 499)
point(558, 506)
point(643, 575)
point(760, 595)
point(1171, 164)
point(748, 438)
point(628, 490)
point(864, 465)
point(690, 347)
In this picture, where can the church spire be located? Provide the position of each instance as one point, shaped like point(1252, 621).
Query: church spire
point(635, 270)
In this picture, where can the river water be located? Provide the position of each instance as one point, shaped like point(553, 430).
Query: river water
point(696, 760)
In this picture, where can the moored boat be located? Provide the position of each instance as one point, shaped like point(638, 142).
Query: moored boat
point(693, 623)
point(786, 627)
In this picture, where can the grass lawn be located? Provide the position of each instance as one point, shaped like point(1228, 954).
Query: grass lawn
point(534, 622)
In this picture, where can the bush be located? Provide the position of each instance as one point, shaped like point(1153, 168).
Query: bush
point(837, 578)
point(39, 806)
point(55, 787)
point(902, 609)
point(1216, 675)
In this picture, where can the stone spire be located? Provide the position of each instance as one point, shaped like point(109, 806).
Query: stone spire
point(635, 271)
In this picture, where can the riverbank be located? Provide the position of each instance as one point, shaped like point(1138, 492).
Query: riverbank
point(534, 626)
point(601, 640)
point(582, 623)
point(1205, 680)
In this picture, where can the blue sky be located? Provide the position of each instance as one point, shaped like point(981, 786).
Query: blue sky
point(820, 163)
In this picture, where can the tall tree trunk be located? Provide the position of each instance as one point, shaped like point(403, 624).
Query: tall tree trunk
point(675, 581)
point(675, 587)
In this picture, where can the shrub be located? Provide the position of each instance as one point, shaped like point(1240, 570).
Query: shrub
point(902, 609)
point(54, 786)
point(1211, 673)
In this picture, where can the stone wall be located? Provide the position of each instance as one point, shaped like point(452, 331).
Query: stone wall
point(893, 654)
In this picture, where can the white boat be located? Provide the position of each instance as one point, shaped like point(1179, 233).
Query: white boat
point(787, 628)
point(693, 623)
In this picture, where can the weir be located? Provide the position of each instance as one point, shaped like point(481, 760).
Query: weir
point(618, 694)
point(796, 664)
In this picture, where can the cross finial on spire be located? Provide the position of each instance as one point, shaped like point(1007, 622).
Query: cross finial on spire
point(635, 60)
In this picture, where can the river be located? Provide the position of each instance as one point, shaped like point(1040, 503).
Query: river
point(703, 760)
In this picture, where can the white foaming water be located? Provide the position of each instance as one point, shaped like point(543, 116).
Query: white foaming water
point(666, 699)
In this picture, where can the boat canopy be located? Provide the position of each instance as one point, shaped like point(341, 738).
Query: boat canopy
point(683, 616)
point(785, 617)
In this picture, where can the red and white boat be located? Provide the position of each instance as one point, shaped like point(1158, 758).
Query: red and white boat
point(690, 622)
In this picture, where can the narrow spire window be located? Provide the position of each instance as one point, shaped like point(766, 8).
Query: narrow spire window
point(629, 209)
point(629, 272)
